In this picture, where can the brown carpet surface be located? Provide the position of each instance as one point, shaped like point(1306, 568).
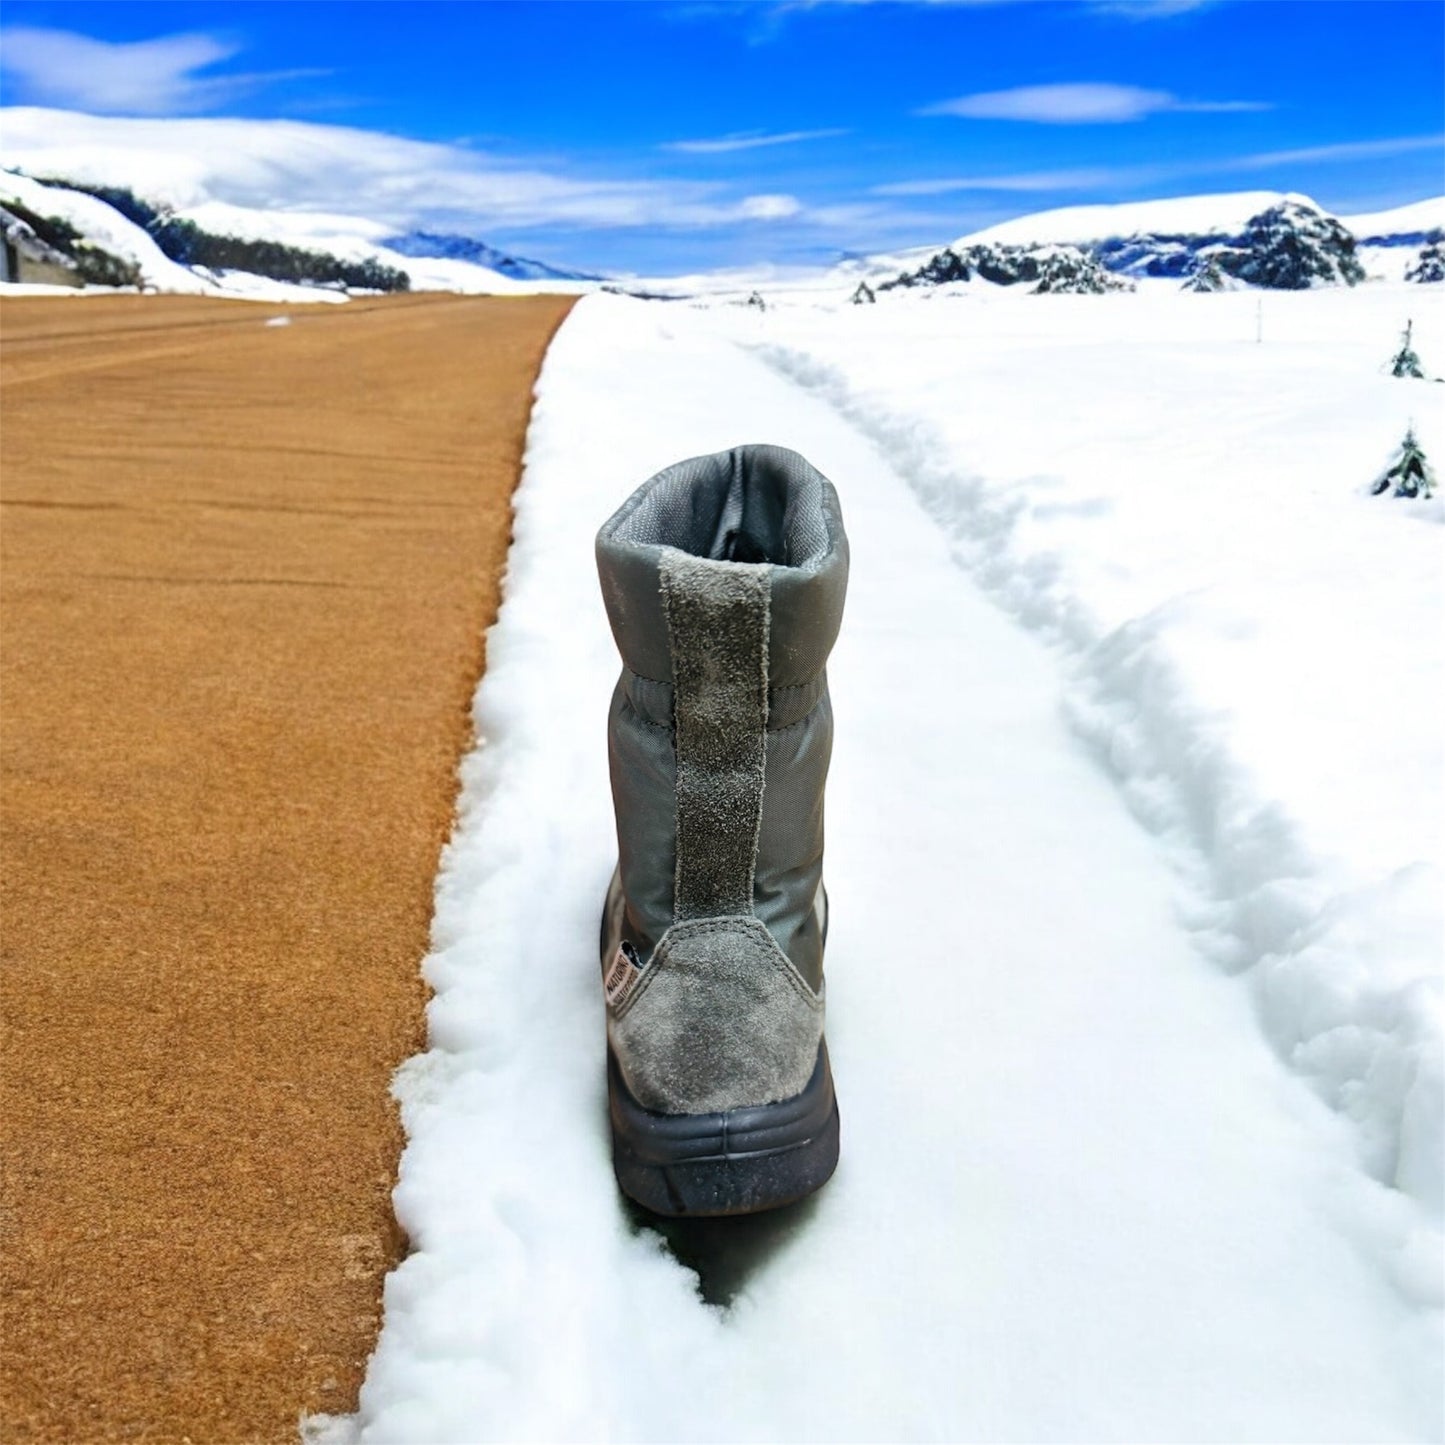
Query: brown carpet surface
point(244, 576)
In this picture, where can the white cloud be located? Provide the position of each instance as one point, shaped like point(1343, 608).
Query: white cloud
point(1077, 103)
point(1118, 178)
point(298, 166)
point(746, 141)
point(770, 207)
point(144, 77)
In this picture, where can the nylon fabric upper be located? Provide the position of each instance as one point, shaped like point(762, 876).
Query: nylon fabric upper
point(692, 506)
point(771, 499)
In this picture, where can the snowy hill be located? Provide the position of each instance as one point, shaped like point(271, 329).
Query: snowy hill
point(271, 255)
point(1403, 226)
point(1267, 238)
point(103, 226)
point(266, 183)
point(1192, 216)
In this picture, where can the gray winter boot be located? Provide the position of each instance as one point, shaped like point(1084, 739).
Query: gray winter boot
point(724, 579)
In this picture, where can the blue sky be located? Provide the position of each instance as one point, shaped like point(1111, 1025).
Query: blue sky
point(791, 131)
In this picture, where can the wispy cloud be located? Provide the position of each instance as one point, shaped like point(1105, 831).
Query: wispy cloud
point(1116, 179)
point(1364, 150)
point(763, 21)
point(1151, 9)
point(1130, 9)
point(144, 77)
point(1078, 103)
point(746, 141)
point(1083, 179)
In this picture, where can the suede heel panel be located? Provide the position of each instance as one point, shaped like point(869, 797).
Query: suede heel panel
point(717, 622)
point(721, 1021)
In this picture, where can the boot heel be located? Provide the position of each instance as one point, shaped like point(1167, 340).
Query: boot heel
point(739, 1162)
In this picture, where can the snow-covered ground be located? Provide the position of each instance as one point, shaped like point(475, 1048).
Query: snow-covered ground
point(1112, 563)
point(1184, 510)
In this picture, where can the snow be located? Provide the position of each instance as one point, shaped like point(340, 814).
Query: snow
point(354, 239)
point(103, 225)
point(1209, 215)
point(246, 286)
point(1112, 564)
point(1418, 219)
point(106, 227)
point(303, 184)
point(1184, 513)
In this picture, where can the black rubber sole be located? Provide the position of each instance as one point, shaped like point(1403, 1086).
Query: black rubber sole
point(739, 1162)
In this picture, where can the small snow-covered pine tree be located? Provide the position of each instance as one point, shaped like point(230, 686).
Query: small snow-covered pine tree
point(1409, 473)
point(756, 301)
point(1406, 362)
point(1207, 276)
point(1429, 268)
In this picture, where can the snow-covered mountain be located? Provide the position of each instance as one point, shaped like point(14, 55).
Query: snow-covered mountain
point(432, 245)
point(1413, 225)
point(1261, 238)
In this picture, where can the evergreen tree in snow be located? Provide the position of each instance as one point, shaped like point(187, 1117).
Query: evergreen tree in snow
point(1409, 473)
point(756, 301)
point(1054, 269)
point(1066, 270)
point(864, 296)
point(1208, 275)
point(1431, 265)
point(947, 266)
point(1291, 247)
point(1406, 362)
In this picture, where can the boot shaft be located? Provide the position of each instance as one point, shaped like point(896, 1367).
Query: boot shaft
point(724, 579)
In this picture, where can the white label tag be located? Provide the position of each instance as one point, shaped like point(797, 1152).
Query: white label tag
point(621, 976)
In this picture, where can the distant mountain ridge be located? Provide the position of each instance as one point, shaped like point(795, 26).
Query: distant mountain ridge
point(110, 234)
point(448, 246)
point(1257, 238)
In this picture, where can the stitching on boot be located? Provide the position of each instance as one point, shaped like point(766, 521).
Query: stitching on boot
point(717, 623)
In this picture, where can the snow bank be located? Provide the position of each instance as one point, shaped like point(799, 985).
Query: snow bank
point(1250, 634)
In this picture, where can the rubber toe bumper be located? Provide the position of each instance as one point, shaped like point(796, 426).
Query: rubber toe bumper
point(739, 1162)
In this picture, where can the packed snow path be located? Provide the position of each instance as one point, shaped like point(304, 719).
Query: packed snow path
point(1079, 1199)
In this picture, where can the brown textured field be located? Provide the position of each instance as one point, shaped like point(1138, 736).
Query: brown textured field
point(244, 572)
